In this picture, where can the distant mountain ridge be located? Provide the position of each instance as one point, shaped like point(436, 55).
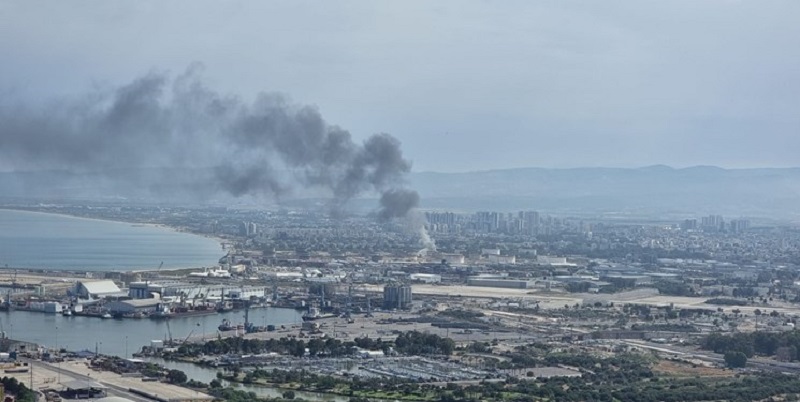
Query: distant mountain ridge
point(655, 191)
point(652, 190)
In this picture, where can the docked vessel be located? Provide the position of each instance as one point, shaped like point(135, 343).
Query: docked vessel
point(182, 312)
point(227, 325)
point(314, 313)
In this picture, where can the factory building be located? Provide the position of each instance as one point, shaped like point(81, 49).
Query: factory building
point(627, 281)
point(497, 283)
point(501, 259)
point(425, 278)
point(397, 297)
point(189, 291)
point(453, 258)
point(553, 261)
point(97, 289)
point(133, 306)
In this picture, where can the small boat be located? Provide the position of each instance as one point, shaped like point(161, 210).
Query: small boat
point(227, 325)
point(66, 313)
point(106, 315)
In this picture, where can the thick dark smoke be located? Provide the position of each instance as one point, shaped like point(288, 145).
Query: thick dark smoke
point(396, 203)
point(263, 148)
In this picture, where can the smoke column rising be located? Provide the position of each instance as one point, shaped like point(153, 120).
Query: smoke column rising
point(180, 124)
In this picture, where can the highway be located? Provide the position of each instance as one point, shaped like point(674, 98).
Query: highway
point(690, 353)
point(112, 390)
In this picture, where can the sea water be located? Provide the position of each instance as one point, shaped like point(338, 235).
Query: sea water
point(58, 242)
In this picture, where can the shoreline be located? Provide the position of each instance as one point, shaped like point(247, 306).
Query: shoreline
point(179, 230)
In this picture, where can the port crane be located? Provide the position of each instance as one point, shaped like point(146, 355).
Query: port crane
point(149, 275)
point(188, 336)
point(169, 331)
point(3, 334)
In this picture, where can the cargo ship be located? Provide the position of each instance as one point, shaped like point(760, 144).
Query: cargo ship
point(182, 312)
point(314, 313)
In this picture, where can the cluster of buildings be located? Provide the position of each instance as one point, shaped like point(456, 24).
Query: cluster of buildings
point(165, 297)
point(525, 249)
point(520, 223)
point(715, 223)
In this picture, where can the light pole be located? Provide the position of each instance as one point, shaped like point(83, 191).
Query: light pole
point(59, 357)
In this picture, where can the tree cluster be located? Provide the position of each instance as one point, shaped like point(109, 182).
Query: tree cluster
point(782, 344)
point(419, 343)
point(14, 387)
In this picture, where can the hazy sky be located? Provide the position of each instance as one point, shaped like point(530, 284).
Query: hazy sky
point(465, 85)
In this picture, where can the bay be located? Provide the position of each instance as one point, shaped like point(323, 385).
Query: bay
point(58, 242)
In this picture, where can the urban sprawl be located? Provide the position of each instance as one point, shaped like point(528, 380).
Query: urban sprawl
point(442, 306)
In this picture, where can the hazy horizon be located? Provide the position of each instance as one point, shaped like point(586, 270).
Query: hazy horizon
point(579, 167)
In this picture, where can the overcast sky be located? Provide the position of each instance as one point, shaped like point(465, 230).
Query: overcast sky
point(465, 85)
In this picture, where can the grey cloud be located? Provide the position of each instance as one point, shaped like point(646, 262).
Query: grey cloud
point(466, 84)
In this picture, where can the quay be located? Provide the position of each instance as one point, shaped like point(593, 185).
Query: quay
point(81, 374)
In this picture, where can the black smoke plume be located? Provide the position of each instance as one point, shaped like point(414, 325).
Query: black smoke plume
point(396, 203)
point(215, 142)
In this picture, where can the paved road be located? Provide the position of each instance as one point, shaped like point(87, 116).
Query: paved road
point(690, 352)
point(112, 389)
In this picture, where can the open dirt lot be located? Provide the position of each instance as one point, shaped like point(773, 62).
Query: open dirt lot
point(680, 369)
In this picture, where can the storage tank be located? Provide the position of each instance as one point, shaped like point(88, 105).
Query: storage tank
point(397, 297)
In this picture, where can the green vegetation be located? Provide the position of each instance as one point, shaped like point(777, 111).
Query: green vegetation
point(418, 343)
point(735, 359)
point(287, 346)
point(619, 377)
point(176, 377)
point(782, 344)
point(462, 314)
point(14, 387)
point(622, 377)
point(410, 343)
point(727, 302)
